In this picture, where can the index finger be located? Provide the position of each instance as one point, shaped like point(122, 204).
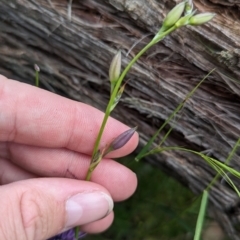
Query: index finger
point(33, 116)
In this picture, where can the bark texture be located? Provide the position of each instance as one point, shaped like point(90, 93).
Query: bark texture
point(74, 43)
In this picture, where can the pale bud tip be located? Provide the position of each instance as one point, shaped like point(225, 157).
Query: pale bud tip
point(36, 68)
point(115, 67)
point(174, 15)
point(188, 7)
point(201, 18)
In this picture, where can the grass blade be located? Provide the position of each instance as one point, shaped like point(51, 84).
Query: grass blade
point(178, 108)
point(201, 216)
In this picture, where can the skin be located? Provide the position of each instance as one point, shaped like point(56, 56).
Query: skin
point(44, 135)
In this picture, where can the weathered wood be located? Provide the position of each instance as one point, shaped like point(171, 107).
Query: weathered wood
point(74, 50)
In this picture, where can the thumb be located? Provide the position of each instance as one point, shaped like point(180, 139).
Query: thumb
point(40, 208)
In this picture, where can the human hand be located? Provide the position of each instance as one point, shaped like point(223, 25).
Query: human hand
point(46, 139)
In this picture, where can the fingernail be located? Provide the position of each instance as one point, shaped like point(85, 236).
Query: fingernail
point(87, 207)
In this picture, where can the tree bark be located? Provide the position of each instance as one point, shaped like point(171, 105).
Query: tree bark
point(73, 45)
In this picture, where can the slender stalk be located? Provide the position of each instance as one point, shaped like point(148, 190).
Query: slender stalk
point(89, 173)
point(37, 79)
point(117, 86)
point(115, 91)
point(77, 230)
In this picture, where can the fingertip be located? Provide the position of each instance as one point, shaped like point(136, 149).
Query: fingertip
point(119, 180)
point(2, 78)
point(98, 226)
point(39, 203)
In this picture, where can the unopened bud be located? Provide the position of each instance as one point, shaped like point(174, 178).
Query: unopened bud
point(36, 68)
point(188, 7)
point(184, 20)
point(174, 15)
point(121, 140)
point(201, 18)
point(115, 67)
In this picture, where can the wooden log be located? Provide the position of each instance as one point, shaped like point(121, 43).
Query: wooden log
point(73, 44)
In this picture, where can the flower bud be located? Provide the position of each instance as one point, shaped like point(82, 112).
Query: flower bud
point(121, 140)
point(201, 18)
point(188, 7)
point(184, 20)
point(174, 15)
point(115, 67)
point(36, 68)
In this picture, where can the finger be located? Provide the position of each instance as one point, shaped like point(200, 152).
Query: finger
point(34, 116)
point(33, 210)
point(9, 172)
point(120, 181)
point(100, 225)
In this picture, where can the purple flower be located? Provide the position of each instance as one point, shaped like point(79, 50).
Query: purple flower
point(120, 141)
point(68, 235)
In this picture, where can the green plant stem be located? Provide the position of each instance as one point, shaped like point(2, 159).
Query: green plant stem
point(111, 101)
point(37, 79)
point(77, 230)
point(156, 39)
point(89, 173)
